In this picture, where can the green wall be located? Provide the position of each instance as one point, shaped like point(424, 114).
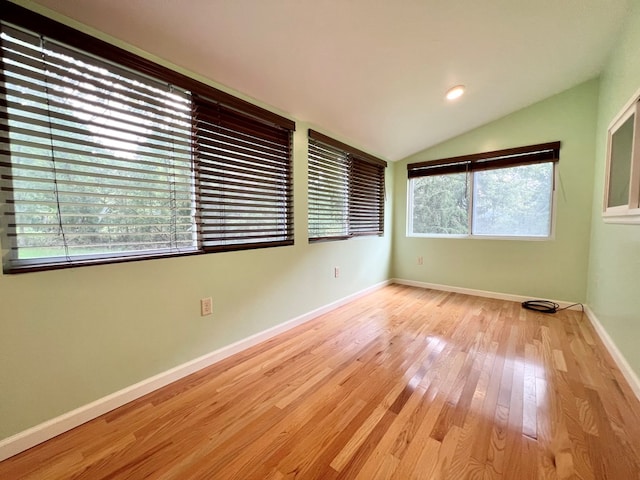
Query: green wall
point(614, 266)
point(69, 337)
point(554, 269)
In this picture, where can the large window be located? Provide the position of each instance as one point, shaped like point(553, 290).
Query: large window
point(101, 162)
point(622, 189)
point(506, 193)
point(346, 190)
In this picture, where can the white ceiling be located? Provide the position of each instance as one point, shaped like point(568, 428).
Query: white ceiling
point(373, 73)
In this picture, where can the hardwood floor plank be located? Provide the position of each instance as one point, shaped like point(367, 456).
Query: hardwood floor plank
point(487, 389)
point(405, 383)
point(529, 414)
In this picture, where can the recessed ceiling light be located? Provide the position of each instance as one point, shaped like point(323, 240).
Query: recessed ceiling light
point(455, 92)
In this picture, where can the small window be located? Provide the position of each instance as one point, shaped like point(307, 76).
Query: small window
point(507, 193)
point(622, 190)
point(346, 191)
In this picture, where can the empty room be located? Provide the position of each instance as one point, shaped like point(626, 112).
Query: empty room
point(357, 239)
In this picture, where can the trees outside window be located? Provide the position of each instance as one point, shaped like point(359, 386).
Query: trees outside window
point(506, 193)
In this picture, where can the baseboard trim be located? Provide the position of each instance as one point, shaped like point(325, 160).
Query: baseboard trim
point(628, 373)
point(40, 433)
point(478, 293)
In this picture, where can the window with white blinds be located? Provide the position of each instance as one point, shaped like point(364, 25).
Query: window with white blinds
point(100, 163)
point(346, 191)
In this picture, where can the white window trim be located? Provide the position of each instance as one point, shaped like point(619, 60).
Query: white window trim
point(630, 213)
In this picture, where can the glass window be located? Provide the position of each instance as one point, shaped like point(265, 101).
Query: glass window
point(505, 193)
point(346, 191)
point(513, 201)
point(622, 189)
point(440, 205)
point(620, 169)
point(104, 162)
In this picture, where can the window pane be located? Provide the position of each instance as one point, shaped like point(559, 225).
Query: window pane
point(620, 169)
point(366, 198)
point(513, 201)
point(440, 204)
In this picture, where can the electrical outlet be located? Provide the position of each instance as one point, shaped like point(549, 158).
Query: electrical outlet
point(336, 272)
point(420, 261)
point(206, 307)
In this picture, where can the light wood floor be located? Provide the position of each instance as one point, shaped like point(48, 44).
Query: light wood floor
point(404, 383)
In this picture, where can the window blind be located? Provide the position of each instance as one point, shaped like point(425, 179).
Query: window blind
point(98, 157)
point(245, 179)
point(328, 192)
point(346, 190)
point(540, 153)
point(106, 156)
point(366, 198)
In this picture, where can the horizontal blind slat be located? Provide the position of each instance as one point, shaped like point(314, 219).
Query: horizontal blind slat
point(115, 129)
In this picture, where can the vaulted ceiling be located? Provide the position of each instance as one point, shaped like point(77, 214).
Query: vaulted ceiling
point(373, 73)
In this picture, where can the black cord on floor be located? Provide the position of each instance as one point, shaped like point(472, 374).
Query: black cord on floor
point(546, 306)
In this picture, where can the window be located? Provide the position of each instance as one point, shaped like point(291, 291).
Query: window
point(622, 189)
point(346, 190)
point(244, 180)
point(506, 193)
point(101, 162)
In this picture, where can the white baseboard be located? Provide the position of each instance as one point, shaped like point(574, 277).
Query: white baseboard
point(628, 373)
point(33, 436)
point(479, 293)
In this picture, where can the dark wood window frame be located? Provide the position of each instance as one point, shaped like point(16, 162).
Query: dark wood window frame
point(346, 191)
point(254, 149)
